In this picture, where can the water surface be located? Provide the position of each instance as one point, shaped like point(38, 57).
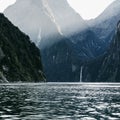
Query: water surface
point(60, 101)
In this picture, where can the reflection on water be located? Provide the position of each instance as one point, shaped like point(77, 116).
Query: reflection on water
point(60, 101)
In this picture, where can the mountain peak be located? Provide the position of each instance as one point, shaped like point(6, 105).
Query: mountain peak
point(53, 18)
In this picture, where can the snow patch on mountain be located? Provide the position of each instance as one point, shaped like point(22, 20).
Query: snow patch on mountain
point(51, 15)
point(39, 37)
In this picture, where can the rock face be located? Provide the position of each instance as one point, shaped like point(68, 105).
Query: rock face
point(19, 58)
point(107, 67)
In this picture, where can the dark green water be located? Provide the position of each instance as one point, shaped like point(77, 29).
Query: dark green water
point(60, 101)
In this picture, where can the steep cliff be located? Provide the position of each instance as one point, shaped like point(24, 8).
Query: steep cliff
point(19, 58)
point(110, 69)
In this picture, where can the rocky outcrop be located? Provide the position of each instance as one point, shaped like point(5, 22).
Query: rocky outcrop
point(20, 59)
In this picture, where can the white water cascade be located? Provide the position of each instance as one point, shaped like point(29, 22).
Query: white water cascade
point(81, 73)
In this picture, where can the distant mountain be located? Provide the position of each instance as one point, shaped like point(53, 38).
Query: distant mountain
point(104, 25)
point(69, 21)
point(107, 67)
point(45, 20)
point(48, 21)
point(20, 59)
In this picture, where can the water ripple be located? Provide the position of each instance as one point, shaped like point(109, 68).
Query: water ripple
point(60, 101)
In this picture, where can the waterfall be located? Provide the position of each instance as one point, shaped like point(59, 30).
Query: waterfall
point(81, 73)
point(39, 34)
point(39, 37)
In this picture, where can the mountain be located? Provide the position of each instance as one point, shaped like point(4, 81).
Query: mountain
point(68, 20)
point(45, 21)
point(62, 35)
point(105, 24)
point(48, 21)
point(20, 59)
point(106, 68)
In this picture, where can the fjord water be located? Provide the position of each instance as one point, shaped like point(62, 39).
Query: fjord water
point(60, 101)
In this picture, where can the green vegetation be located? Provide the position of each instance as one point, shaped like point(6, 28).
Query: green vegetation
point(22, 61)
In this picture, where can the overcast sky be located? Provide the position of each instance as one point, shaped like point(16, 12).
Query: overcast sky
point(86, 8)
point(90, 8)
point(5, 3)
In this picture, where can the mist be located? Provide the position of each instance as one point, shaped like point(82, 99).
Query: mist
point(48, 20)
